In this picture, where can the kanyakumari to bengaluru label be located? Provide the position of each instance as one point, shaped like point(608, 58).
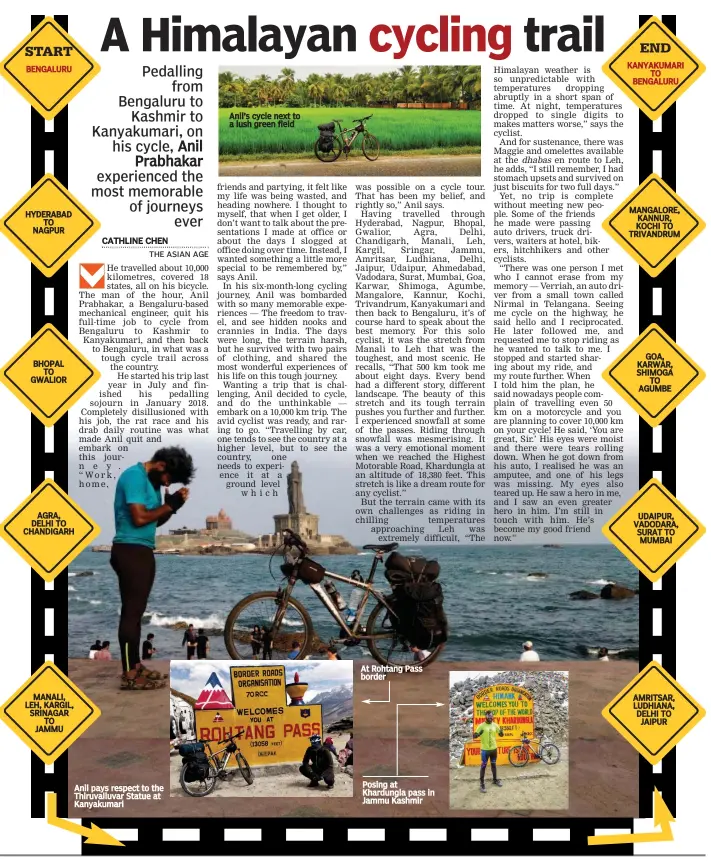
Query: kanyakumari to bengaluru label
point(653, 530)
point(653, 68)
point(653, 375)
point(48, 530)
point(653, 225)
point(49, 712)
point(653, 712)
point(48, 375)
point(48, 68)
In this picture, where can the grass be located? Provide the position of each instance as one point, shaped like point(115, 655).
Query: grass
point(400, 131)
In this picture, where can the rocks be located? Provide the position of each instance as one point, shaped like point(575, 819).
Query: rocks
point(537, 576)
point(617, 591)
point(584, 595)
point(550, 696)
point(85, 574)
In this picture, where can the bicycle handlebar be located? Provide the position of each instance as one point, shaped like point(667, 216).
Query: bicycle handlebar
point(292, 539)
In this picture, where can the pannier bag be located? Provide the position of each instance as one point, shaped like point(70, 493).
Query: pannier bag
point(188, 748)
point(325, 141)
point(198, 766)
point(397, 565)
point(420, 616)
point(311, 572)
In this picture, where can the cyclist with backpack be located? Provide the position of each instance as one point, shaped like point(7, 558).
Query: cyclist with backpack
point(487, 732)
point(317, 764)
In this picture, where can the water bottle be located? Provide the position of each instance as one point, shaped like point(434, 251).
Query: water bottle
point(336, 597)
point(354, 599)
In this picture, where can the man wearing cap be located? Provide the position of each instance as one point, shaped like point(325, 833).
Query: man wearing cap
point(528, 654)
point(317, 764)
point(488, 731)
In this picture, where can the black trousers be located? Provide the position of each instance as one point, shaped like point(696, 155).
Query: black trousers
point(135, 566)
point(327, 775)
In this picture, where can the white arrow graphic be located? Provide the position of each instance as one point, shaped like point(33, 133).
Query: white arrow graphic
point(397, 742)
point(380, 701)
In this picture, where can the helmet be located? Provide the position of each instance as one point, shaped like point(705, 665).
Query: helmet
point(314, 739)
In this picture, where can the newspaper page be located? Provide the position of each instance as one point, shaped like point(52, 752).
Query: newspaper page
point(358, 335)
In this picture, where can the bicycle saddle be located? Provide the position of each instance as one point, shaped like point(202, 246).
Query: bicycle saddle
point(389, 547)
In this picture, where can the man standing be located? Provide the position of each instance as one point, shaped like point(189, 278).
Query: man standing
point(148, 650)
point(317, 764)
point(203, 644)
point(138, 511)
point(488, 731)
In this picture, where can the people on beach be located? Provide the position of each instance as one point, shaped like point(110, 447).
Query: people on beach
point(255, 640)
point(94, 648)
point(331, 654)
point(267, 643)
point(148, 650)
point(295, 650)
point(602, 654)
point(189, 634)
point(202, 642)
point(138, 510)
point(528, 654)
point(103, 654)
point(317, 764)
point(487, 732)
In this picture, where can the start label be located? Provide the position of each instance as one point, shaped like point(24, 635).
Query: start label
point(49, 712)
point(48, 68)
point(653, 530)
point(653, 375)
point(653, 225)
point(48, 530)
point(653, 68)
point(48, 375)
point(48, 225)
point(653, 712)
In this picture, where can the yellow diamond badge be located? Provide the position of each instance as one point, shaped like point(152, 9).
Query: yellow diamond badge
point(653, 712)
point(49, 375)
point(653, 225)
point(48, 68)
point(653, 68)
point(653, 530)
point(49, 712)
point(48, 530)
point(48, 225)
point(653, 375)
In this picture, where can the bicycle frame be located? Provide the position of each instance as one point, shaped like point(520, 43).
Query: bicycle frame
point(349, 141)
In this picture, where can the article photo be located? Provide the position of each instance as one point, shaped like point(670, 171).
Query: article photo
point(241, 729)
point(509, 740)
point(348, 121)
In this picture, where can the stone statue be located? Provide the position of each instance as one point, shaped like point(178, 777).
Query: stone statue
point(294, 490)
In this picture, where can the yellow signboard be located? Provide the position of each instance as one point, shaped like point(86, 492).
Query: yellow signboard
point(653, 375)
point(49, 712)
point(654, 68)
point(48, 375)
point(653, 225)
point(48, 68)
point(653, 712)
point(48, 225)
point(512, 707)
point(48, 530)
point(653, 530)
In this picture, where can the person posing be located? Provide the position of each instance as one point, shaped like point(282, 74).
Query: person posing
point(138, 511)
point(487, 732)
point(317, 764)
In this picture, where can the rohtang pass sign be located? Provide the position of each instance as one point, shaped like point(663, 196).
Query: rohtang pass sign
point(275, 730)
point(513, 712)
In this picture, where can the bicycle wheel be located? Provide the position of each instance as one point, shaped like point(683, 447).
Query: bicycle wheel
point(244, 767)
point(550, 753)
point(518, 755)
point(261, 609)
point(370, 146)
point(330, 156)
point(387, 646)
point(199, 788)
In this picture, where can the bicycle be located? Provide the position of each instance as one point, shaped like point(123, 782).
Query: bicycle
point(344, 139)
point(217, 768)
point(289, 621)
point(519, 755)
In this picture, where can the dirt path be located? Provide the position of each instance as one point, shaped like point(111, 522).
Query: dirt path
point(392, 166)
point(532, 788)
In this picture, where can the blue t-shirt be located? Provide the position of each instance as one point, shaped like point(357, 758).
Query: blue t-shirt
point(134, 486)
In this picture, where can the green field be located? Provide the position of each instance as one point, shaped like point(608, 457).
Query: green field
point(399, 130)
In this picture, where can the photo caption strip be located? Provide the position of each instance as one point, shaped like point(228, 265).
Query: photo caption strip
point(356, 836)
